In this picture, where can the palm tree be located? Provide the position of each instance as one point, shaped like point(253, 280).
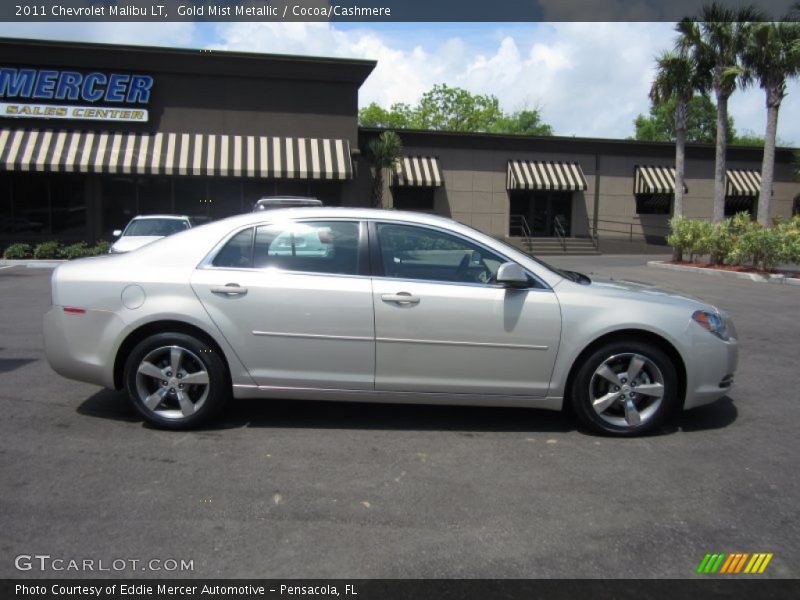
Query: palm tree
point(716, 41)
point(382, 153)
point(677, 77)
point(770, 57)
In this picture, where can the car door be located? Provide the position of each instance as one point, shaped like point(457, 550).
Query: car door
point(295, 302)
point(442, 326)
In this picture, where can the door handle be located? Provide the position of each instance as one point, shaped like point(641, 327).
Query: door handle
point(229, 290)
point(402, 298)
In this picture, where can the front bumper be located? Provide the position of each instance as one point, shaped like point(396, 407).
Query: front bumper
point(710, 369)
point(81, 345)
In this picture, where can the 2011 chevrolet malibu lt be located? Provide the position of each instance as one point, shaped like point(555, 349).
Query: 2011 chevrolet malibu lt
point(377, 306)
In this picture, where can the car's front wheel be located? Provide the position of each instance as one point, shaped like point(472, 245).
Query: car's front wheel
point(176, 381)
point(625, 388)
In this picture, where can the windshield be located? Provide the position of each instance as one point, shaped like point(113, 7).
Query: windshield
point(155, 227)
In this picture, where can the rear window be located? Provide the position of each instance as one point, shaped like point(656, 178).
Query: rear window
point(312, 247)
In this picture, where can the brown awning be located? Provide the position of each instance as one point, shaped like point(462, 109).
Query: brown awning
point(742, 182)
point(545, 175)
point(651, 179)
point(175, 154)
point(417, 171)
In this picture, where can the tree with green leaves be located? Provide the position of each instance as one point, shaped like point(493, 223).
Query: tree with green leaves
point(445, 108)
point(770, 57)
point(676, 79)
point(383, 153)
point(397, 116)
point(701, 124)
point(716, 40)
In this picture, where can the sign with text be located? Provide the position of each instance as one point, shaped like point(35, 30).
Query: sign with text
point(79, 113)
point(27, 93)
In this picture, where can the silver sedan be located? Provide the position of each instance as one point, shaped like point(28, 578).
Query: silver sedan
point(377, 306)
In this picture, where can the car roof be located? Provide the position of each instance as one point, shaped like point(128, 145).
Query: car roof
point(336, 212)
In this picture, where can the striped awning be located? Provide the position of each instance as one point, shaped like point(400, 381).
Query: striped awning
point(174, 154)
point(417, 171)
point(651, 179)
point(742, 182)
point(545, 175)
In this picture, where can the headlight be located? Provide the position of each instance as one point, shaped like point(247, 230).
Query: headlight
point(713, 323)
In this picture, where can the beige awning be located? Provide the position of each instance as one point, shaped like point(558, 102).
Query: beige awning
point(649, 179)
point(175, 154)
point(417, 171)
point(742, 182)
point(545, 175)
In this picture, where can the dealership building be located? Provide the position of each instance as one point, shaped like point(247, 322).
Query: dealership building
point(92, 135)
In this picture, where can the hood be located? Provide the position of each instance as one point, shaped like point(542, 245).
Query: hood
point(128, 243)
point(642, 290)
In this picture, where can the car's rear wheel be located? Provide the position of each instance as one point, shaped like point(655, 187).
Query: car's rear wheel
point(625, 388)
point(176, 381)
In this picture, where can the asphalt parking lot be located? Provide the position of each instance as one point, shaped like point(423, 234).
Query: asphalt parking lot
point(281, 489)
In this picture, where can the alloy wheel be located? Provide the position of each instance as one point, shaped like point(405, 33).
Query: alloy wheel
point(626, 390)
point(172, 382)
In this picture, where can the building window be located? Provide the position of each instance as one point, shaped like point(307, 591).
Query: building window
point(413, 198)
point(119, 203)
point(68, 205)
point(191, 197)
point(653, 204)
point(35, 206)
point(736, 204)
point(225, 198)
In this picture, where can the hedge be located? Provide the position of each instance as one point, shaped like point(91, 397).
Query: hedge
point(737, 241)
point(54, 250)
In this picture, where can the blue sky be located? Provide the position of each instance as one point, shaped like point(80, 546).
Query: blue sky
point(587, 79)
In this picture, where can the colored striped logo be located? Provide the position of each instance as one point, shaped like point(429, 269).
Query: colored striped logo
point(737, 562)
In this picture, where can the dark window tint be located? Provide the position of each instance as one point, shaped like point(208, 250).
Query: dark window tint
point(314, 247)
point(653, 204)
point(418, 253)
point(238, 252)
point(736, 204)
point(413, 198)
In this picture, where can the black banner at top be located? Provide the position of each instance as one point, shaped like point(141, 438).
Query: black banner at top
point(370, 10)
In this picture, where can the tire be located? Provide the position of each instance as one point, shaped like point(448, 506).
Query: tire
point(176, 400)
point(606, 401)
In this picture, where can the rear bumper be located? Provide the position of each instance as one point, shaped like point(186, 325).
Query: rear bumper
point(710, 369)
point(81, 346)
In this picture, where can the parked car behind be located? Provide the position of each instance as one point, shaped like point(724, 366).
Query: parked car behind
point(148, 228)
point(272, 202)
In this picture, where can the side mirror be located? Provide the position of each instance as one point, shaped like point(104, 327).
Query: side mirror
point(510, 274)
point(117, 232)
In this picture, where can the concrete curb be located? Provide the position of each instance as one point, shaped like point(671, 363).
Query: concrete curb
point(758, 278)
point(31, 263)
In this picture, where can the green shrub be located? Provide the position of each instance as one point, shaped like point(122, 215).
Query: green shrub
point(701, 233)
point(722, 242)
point(18, 251)
point(79, 250)
point(759, 246)
point(50, 249)
point(790, 242)
point(677, 238)
point(102, 247)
